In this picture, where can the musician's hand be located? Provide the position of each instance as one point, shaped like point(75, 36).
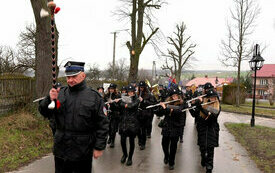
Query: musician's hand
point(140, 98)
point(200, 99)
point(97, 153)
point(126, 105)
point(116, 100)
point(54, 93)
point(163, 105)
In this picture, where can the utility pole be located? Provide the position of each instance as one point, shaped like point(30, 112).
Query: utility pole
point(154, 70)
point(114, 51)
point(114, 55)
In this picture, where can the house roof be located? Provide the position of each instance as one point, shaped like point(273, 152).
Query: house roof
point(268, 70)
point(202, 80)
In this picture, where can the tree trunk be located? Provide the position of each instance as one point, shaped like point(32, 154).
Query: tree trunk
point(238, 85)
point(43, 55)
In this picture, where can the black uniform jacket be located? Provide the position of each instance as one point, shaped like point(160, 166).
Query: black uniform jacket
point(129, 124)
point(208, 130)
point(174, 121)
point(80, 122)
point(148, 100)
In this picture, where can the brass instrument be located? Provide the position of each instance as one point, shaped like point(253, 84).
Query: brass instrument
point(148, 83)
point(155, 91)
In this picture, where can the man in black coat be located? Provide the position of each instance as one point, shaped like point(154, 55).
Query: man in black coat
point(208, 128)
point(81, 125)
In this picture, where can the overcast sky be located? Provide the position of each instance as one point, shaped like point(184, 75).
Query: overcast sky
point(85, 28)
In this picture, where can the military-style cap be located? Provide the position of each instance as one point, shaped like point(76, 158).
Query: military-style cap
point(142, 84)
point(208, 85)
point(123, 88)
point(74, 68)
point(173, 91)
point(112, 85)
point(131, 88)
point(211, 93)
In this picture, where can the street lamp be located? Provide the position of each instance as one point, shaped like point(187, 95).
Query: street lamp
point(255, 64)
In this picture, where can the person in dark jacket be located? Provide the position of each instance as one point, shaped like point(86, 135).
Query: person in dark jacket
point(174, 121)
point(129, 125)
point(207, 126)
point(114, 112)
point(81, 126)
point(145, 116)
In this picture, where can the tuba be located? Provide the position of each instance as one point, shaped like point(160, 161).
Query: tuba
point(155, 91)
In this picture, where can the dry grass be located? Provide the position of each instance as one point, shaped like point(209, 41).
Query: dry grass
point(259, 141)
point(24, 137)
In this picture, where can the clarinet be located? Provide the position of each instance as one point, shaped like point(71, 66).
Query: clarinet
point(51, 6)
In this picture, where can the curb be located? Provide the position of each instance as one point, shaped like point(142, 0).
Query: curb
point(257, 115)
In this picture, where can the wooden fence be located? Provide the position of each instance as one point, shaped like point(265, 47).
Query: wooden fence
point(15, 91)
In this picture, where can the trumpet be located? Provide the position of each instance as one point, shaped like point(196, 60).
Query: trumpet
point(152, 106)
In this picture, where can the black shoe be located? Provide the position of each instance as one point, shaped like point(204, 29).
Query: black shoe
point(112, 145)
point(202, 163)
point(109, 141)
point(123, 159)
point(171, 167)
point(165, 161)
point(208, 170)
point(129, 162)
point(142, 147)
point(148, 136)
point(181, 141)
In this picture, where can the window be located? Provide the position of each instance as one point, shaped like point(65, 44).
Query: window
point(261, 92)
point(263, 82)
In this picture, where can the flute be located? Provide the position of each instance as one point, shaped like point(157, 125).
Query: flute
point(151, 106)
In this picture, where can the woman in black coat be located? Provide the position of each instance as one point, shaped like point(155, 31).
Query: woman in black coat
point(129, 125)
point(208, 128)
point(173, 124)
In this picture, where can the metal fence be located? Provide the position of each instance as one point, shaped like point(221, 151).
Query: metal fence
point(15, 92)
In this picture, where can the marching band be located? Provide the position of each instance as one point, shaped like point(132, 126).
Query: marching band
point(131, 111)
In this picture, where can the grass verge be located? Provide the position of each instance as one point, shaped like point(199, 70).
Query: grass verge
point(247, 110)
point(259, 141)
point(24, 137)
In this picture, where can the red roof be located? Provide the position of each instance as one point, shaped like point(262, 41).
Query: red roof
point(268, 70)
point(202, 80)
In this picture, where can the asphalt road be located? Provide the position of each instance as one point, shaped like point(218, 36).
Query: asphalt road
point(230, 157)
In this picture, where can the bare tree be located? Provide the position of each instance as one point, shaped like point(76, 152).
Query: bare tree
point(120, 70)
point(43, 61)
point(180, 54)
point(26, 48)
point(94, 72)
point(8, 60)
point(237, 47)
point(140, 14)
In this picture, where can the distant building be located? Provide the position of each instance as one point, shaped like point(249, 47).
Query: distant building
point(265, 81)
point(215, 81)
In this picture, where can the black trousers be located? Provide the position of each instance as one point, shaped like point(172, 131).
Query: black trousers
point(142, 133)
point(124, 146)
point(65, 166)
point(207, 156)
point(149, 125)
point(169, 146)
point(113, 128)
